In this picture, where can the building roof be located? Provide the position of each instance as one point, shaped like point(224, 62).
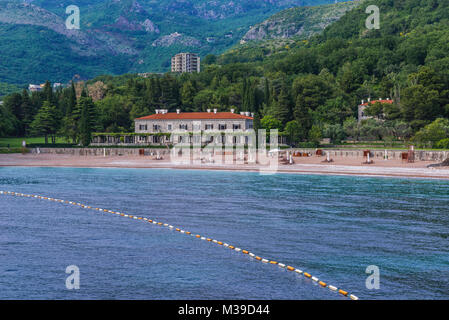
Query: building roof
point(374, 101)
point(196, 116)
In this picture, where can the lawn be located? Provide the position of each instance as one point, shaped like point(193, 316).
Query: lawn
point(17, 142)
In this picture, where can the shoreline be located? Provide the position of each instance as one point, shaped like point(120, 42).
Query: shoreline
point(297, 172)
point(303, 166)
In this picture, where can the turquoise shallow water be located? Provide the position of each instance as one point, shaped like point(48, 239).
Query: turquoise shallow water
point(330, 226)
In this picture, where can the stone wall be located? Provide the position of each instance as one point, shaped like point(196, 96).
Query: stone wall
point(101, 151)
point(391, 154)
point(379, 154)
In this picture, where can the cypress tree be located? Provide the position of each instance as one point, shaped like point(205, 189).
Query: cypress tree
point(48, 93)
point(72, 100)
point(72, 114)
point(302, 115)
point(248, 96)
point(86, 121)
point(267, 92)
point(28, 111)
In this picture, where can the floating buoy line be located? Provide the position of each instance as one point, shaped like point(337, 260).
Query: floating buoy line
point(197, 236)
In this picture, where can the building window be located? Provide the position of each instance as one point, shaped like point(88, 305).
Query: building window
point(209, 126)
point(143, 127)
point(169, 127)
point(222, 127)
point(183, 126)
point(236, 126)
point(156, 127)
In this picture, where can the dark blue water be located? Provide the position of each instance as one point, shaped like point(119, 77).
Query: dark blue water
point(331, 226)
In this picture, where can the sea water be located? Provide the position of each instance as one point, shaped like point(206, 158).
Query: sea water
point(333, 227)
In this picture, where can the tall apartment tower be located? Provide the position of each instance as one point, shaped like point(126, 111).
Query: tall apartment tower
point(185, 62)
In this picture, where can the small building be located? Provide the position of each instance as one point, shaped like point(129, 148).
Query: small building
point(35, 87)
point(364, 105)
point(40, 87)
point(185, 62)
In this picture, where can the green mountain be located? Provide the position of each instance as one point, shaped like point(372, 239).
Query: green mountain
point(119, 36)
point(298, 22)
point(307, 89)
point(282, 31)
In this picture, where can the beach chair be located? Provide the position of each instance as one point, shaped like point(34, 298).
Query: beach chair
point(404, 156)
point(367, 156)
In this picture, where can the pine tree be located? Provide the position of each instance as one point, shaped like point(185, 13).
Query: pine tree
point(188, 93)
point(169, 98)
point(46, 122)
point(280, 108)
point(13, 103)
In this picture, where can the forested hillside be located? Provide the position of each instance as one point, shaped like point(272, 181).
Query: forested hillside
point(308, 90)
point(6, 88)
point(117, 37)
point(298, 22)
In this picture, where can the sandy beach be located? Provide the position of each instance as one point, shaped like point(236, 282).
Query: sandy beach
point(302, 165)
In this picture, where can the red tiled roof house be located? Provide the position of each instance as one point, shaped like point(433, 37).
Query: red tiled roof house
point(364, 105)
point(171, 122)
